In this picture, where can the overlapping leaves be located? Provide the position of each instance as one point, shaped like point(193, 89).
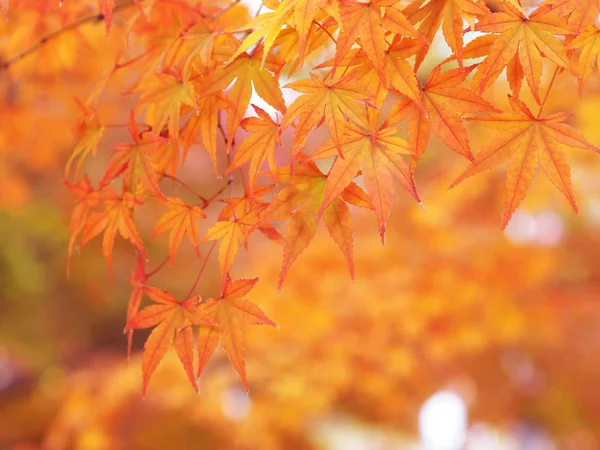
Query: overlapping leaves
point(202, 66)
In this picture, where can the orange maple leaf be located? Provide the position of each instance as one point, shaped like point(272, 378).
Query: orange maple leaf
point(369, 21)
point(266, 25)
point(300, 201)
point(172, 320)
point(427, 16)
point(526, 141)
point(88, 133)
point(181, 220)
point(329, 100)
point(205, 123)
point(527, 37)
point(106, 8)
point(258, 147)
point(397, 75)
point(445, 102)
point(166, 93)
point(288, 43)
point(200, 42)
point(229, 312)
point(301, 13)
point(378, 152)
point(134, 161)
point(247, 72)
point(245, 212)
point(579, 14)
point(84, 202)
point(117, 217)
point(589, 44)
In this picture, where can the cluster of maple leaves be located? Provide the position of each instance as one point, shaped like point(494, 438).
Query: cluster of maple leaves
point(199, 62)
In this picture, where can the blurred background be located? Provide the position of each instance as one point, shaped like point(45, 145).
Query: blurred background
point(454, 335)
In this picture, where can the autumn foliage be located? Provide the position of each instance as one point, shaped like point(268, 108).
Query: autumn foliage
point(297, 115)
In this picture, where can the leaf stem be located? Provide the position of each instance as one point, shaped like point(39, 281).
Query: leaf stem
point(160, 266)
point(554, 75)
point(202, 267)
point(185, 185)
point(213, 197)
point(228, 155)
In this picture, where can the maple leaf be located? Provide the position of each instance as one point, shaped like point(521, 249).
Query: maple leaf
point(166, 93)
point(181, 220)
point(579, 14)
point(268, 26)
point(247, 72)
point(230, 311)
point(200, 39)
point(288, 44)
point(589, 43)
point(258, 147)
point(84, 202)
point(378, 152)
point(369, 21)
point(205, 123)
point(165, 158)
point(245, 212)
point(444, 103)
point(106, 8)
point(397, 73)
point(527, 37)
point(305, 13)
point(427, 16)
point(89, 132)
point(117, 217)
point(172, 320)
point(135, 160)
point(301, 200)
point(329, 100)
point(526, 141)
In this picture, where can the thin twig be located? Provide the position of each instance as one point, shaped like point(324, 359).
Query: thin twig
point(222, 131)
point(185, 185)
point(213, 197)
point(96, 18)
point(160, 266)
point(212, 247)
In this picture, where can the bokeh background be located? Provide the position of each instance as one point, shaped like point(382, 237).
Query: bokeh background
point(454, 335)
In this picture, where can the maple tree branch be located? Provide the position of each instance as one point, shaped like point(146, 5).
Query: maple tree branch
point(185, 185)
point(226, 141)
point(202, 267)
point(213, 197)
point(160, 266)
point(95, 18)
point(222, 131)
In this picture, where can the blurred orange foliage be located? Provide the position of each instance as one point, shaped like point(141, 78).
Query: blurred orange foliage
point(135, 121)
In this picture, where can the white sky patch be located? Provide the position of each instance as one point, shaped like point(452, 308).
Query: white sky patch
point(545, 228)
point(253, 6)
point(443, 421)
point(484, 437)
point(235, 404)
